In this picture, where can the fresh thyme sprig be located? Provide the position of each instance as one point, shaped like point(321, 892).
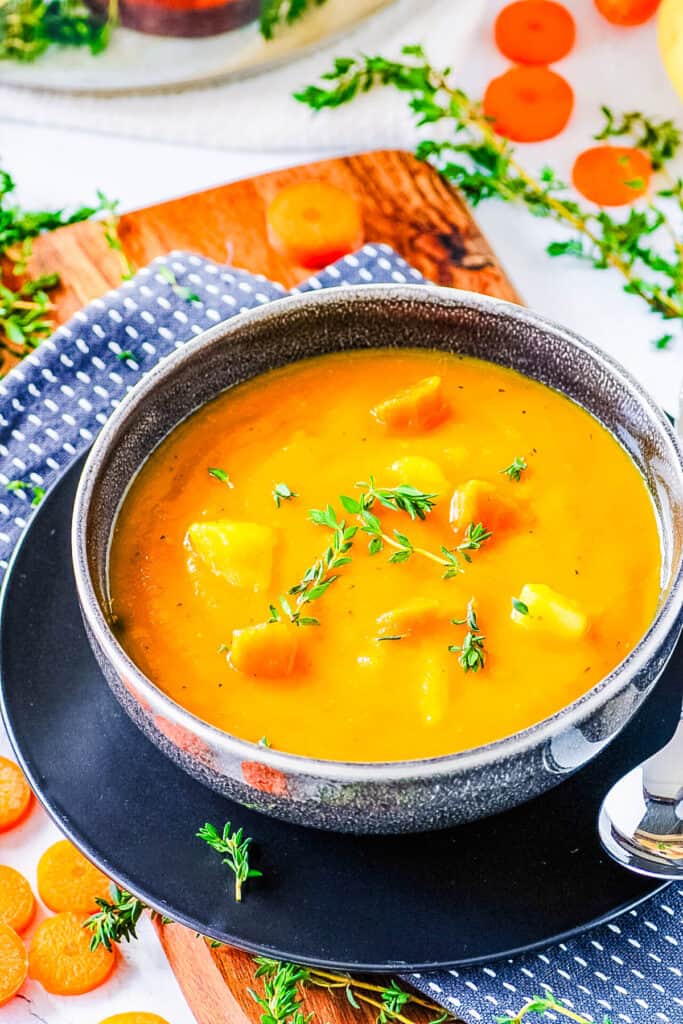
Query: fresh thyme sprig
point(116, 920)
point(471, 651)
point(543, 1004)
point(320, 576)
point(417, 504)
point(403, 498)
point(17, 224)
point(483, 165)
point(25, 314)
point(282, 999)
point(282, 492)
point(278, 12)
point(25, 305)
point(516, 468)
point(235, 849)
point(37, 493)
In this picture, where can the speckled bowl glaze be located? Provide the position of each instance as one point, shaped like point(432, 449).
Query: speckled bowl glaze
point(409, 795)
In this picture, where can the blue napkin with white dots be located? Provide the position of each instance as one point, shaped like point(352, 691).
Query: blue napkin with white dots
point(51, 407)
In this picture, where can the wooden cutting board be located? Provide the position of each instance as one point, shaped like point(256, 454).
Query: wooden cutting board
point(405, 204)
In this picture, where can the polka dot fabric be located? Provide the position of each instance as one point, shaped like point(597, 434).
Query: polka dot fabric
point(628, 972)
point(51, 407)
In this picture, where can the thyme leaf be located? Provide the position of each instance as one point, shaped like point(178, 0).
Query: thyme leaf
point(281, 492)
point(220, 474)
point(643, 246)
point(516, 468)
point(37, 493)
point(471, 651)
point(234, 846)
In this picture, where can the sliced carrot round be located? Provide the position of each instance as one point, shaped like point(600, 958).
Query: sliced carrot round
point(528, 104)
point(60, 957)
point(313, 223)
point(134, 1017)
point(535, 31)
point(17, 905)
point(612, 175)
point(627, 12)
point(13, 963)
point(68, 881)
point(15, 794)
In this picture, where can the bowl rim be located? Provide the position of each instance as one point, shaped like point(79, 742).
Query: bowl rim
point(667, 617)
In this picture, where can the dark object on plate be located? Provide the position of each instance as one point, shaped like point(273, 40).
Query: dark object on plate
point(400, 796)
point(477, 892)
point(187, 18)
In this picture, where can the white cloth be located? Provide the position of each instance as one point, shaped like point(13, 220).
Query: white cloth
point(258, 112)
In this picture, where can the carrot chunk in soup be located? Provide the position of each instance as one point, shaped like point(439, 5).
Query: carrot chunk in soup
point(417, 408)
point(416, 653)
point(478, 501)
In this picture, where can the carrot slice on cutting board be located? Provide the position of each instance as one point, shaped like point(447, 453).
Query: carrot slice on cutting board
point(15, 794)
point(535, 31)
point(313, 223)
point(13, 963)
point(60, 957)
point(612, 175)
point(68, 881)
point(17, 904)
point(528, 104)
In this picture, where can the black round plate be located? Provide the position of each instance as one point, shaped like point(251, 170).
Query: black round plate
point(478, 892)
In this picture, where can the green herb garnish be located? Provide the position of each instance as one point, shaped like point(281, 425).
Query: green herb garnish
point(110, 228)
point(29, 27)
point(165, 272)
point(471, 651)
point(220, 474)
point(516, 468)
point(116, 918)
point(281, 492)
point(284, 985)
point(37, 493)
point(235, 848)
point(543, 1004)
point(417, 504)
point(519, 606)
point(484, 165)
point(127, 354)
point(403, 498)
point(17, 224)
point(320, 576)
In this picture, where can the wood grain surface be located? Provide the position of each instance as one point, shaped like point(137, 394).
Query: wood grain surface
point(405, 204)
point(216, 984)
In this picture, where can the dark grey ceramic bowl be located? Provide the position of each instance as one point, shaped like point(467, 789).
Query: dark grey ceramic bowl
point(409, 795)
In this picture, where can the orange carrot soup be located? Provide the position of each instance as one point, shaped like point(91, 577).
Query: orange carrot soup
point(384, 555)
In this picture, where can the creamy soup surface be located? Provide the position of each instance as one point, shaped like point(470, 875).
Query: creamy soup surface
point(561, 591)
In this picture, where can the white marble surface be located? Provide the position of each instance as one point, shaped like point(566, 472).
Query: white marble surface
point(60, 167)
